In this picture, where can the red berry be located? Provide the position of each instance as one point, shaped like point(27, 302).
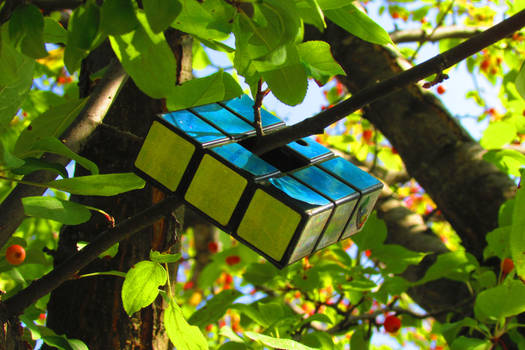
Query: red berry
point(188, 285)
point(367, 135)
point(507, 265)
point(15, 254)
point(42, 317)
point(392, 324)
point(209, 328)
point(395, 15)
point(233, 260)
point(228, 279)
point(485, 64)
point(368, 252)
point(440, 90)
point(213, 247)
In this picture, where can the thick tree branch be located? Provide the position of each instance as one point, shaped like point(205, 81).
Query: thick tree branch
point(448, 32)
point(435, 65)
point(75, 137)
point(67, 270)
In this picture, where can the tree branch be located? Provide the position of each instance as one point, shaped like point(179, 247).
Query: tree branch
point(448, 32)
point(75, 137)
point(67, 270)
point(435, 65)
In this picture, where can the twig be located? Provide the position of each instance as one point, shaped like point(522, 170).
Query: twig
point(16, 305)
point(257, 108)
point(368, 95)
point(439, 33)
point(75, 137)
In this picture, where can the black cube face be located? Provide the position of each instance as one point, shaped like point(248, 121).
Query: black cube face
point(285, 205)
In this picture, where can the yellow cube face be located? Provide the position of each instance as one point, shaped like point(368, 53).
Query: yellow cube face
point(215, 189)
point(269, 224)
point(164, 156)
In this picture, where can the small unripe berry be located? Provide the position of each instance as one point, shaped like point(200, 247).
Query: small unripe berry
point(15, 254)
point(392, 324)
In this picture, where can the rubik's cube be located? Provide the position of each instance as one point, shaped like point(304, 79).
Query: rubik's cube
point(285, 204)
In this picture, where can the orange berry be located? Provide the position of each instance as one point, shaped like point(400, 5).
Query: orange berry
point(395, 15)
point(485, 64)
point(367, 135)
point(15, 254)
point(209, 328)
point(507, 265)
point(440, 90)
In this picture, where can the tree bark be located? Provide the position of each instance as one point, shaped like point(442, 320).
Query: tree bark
point(90, 308)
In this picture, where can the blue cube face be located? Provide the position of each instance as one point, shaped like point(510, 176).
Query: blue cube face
point(224, 120)
point(309, 150)
point(195, 127)
point(243, 107)
point(243, 159)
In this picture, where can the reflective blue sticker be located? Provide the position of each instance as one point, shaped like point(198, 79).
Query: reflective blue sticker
point(350, 173)
point(324, 183)
point(224, 119)
point(298, 191)
point(244, 159)
point(244, 106)
point(308, 148)
point(196, 128)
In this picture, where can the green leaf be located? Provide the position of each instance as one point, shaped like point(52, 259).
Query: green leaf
point(260, 273)
point(141, 285)
point(34, 164)
point(161, 13)
point(63, 343)
point(52, 123)
point(163, 258)
point(464, 343)
point(277, 343)
point(517, 232)
point(498, 134)
point(16, 78)
point(147, 58)
point(359, 340)
point(507, 160)
point(182, 335)
point(317, 318)
point(497, 243)
point(397, 258)
point(195, 19)
point(453, 265)
point(504, 300)
point(227, 332)
point(520, 81)
point(26, 29)
point(317, 57)
point(83, 27)
point(66, 212)
point(311, 13)
point(288, 84)
point(196, 92)
point(99, 185)
point(118, 17)
point(53, 145)
point(372, 235)
point(54, 32)
point(359, 283)
point(215, 308)
point(356, 22)
point(333, 4)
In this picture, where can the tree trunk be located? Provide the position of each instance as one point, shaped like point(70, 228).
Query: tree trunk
point(90, 308)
